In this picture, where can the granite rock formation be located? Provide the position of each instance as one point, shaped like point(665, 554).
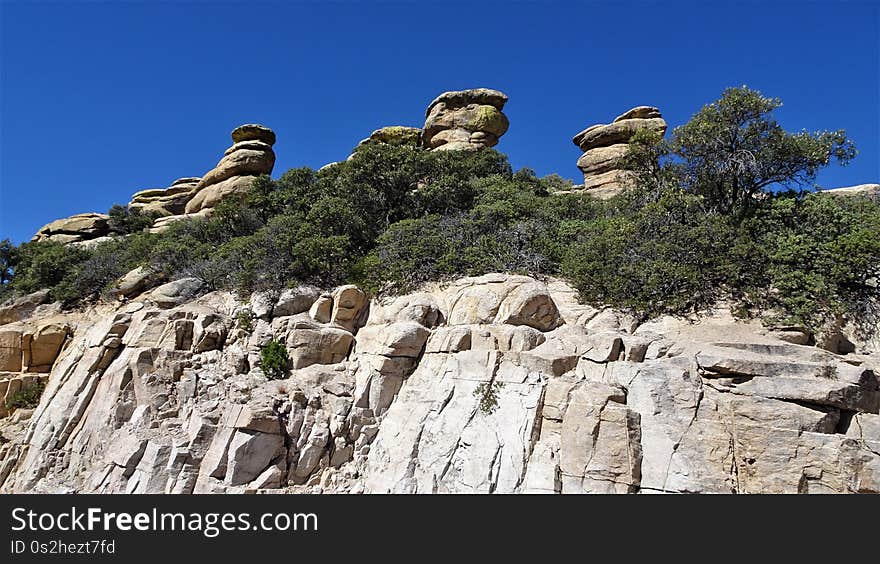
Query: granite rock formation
point(495, 384)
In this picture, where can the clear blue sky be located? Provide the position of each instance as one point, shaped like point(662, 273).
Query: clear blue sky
point(100, 100)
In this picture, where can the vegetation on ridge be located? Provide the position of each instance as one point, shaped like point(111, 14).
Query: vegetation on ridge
point(706, 218)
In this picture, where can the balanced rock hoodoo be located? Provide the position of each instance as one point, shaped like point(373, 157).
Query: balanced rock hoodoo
point(605, 145)
point(250, 156)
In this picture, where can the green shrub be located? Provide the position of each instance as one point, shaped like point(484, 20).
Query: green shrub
point(124, 220)
point(47, 264)
point(822, 258)
point(487, 394)
point(27, 398)
point(244, 321)
point(668, 258)
point(274, 360)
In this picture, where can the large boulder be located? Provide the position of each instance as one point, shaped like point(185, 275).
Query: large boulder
point(40, 348)
point(465, 120)
point(10, 350)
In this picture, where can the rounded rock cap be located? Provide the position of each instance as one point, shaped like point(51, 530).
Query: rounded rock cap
point(639, 112)
point(253, 132)
point(483, 96)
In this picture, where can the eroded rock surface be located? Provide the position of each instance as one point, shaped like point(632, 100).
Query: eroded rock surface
point(494, 384)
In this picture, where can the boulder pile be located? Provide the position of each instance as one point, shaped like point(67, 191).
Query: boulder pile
point(604, 145)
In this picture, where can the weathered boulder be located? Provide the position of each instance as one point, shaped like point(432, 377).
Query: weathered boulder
point(311, 343)
point(175, 292)
point(295, 300)
point(617, 132)
point(76, 228)
point(137, 281)
point(251, 155)
point(465, 120)
point(348, 303)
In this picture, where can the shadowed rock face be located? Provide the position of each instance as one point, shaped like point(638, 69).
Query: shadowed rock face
point(498, 383)
point(605, 145)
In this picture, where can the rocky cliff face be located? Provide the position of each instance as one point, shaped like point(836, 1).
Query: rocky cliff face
point(496, 384)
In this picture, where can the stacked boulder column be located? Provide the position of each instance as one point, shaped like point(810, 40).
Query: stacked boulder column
point(465, 120)
point(251, 155)
point(605, 145)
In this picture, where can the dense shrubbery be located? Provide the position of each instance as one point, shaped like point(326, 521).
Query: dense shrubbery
point(698, 225)
point(274, 360)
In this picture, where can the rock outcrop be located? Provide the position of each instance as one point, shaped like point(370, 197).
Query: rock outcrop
point(465, 120)
point(251, 155)
point(494, 384)
point(75, 229)
point(605, 145)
